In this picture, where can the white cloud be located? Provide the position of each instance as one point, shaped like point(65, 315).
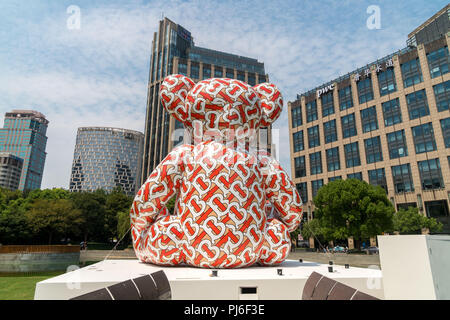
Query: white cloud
point(97, 76)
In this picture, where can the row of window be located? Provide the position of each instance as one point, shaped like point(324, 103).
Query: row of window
point(218, 73)
point(430, 178)
point(423, 138)
point(417, 105)
point(412, 75)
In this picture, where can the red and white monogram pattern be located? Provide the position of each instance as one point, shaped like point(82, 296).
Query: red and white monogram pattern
point(221, 190)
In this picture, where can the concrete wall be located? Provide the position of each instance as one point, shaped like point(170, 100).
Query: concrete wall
point(35, 262)
point(415, 267)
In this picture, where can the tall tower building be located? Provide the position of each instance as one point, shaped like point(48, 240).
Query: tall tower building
point(173, 51)
point(106, 158)
point(387, 123)
point(10, 170)
point(24, 135)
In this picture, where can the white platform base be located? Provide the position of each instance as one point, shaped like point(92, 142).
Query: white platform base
point(196, 284)
point(415, 267)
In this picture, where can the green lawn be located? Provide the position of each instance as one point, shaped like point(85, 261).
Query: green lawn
point(21, 287)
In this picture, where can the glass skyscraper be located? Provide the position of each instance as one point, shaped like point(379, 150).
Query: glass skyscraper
point(10, 170)
point(174, 52)
point(106, 158)
point(24, 135)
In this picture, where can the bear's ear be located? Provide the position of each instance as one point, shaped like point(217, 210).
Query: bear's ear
point(271, 102)
point(173, 92)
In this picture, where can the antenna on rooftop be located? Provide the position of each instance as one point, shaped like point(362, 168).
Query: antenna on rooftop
point(162, 15)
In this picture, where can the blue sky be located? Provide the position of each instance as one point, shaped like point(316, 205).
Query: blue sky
point(97, 75)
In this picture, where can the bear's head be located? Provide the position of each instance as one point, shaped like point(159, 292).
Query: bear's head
point(219, 106)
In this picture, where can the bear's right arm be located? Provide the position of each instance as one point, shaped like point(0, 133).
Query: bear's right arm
point(162, 184)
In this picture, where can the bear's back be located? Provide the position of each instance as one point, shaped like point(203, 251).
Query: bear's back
point(221, 206)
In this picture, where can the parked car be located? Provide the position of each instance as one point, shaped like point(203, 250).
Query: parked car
point(373, 250)
point(338, 249)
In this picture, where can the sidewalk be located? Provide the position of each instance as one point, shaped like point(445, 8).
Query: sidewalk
point(355, 260)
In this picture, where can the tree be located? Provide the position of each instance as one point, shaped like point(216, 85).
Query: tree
point(123, 226)
point(49, 194)
point(170, 205)
point(92, 207)
point(54, 217)
point(116, 202)
point(412, 222)
point(353, 208)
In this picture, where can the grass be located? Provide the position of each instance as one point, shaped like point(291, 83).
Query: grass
point(22, 286)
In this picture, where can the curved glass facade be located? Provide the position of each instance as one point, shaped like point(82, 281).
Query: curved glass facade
point(105, 158)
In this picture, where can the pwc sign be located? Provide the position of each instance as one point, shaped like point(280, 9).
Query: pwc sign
point(324, 90)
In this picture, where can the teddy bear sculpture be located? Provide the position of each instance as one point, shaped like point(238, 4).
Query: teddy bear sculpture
point(221, 185)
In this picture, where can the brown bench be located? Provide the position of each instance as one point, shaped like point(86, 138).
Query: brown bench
point(319, 287)
point(149, 287)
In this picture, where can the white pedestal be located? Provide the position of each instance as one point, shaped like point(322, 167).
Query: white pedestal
point(189, 283)
point(415, 266)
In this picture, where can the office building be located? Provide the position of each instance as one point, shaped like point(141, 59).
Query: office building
point(24, 135)
point(387, 123)
point(106, 158)
point(174, 52)
point(10, 171)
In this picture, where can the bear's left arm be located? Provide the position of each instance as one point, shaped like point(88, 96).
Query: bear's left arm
point(281, 192)
point(161, 185)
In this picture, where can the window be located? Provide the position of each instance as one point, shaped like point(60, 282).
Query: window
point(445, 126)
point(261, 78)
point(298, 141)
point(352, 158)
point(369, 121)
point(438, 62)
point(218, 72)
point(430, 174)
point(230, 73)
point(329, 131)
point(311, 111)
point(303, 191)
point(442, 95)
point(300, 167)
point(391, 112)
point(195, 71)
point(417, 104)
point(334, 178)
point(378, 178)
point(348, 126)
point(397, 144)
point(373, 150)
point(406, 205)
point(424, 138)
point(241, 76)
point(327, 104)
point(356, 175)
point(316, 185)
point(296, 116)
point(315, 162)
point(365, 91)
point(402, 177)
point(345, 98)
point(251, 79)
point(411, 73)
point(313, 137)
point(206, 71)
point(182, 68)
point(333, 162)
point(386, 82)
